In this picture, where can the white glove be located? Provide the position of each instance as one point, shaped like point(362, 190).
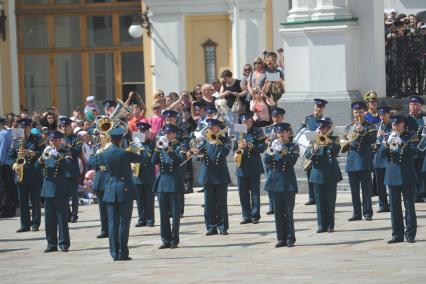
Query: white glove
point(53, 152)
point(276, 146)
point(198, 135)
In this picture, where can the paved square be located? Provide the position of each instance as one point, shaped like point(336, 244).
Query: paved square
point(356, 252)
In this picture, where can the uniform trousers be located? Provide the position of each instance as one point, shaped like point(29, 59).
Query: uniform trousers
point(408, 192)
point(119, 218)
point(169, 203)
point(145, 202)
point(361, 180)
point(216, 206)
point(325, 196)
point(249, 191)
point(27, 193)
point(55, 217)
point(284, 221)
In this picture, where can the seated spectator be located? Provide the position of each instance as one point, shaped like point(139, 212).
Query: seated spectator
point(274, 84)
point(260, 107)
point(207, 99)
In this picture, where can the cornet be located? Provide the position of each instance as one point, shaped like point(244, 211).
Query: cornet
point(162, 143)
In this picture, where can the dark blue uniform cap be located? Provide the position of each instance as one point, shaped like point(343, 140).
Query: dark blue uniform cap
point(25, 122)
point(417, 99)
point(116, 133)
point(384, 109)
point(211, 109)
point(283, 126)
point(277, 111)
point(397, 119)
point(358, 105)
point(213, 122)
point(198, 105)
point(324, 123)
point(170, 128)
point(64, 121)
point(320, 102)
point(245, 115)
point(170, 113)
point(143, 126)
point(55, 134)
point(109, 103)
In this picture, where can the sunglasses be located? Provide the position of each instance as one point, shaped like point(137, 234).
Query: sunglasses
point(247, 70)
point(199, 93)
point(259, 62)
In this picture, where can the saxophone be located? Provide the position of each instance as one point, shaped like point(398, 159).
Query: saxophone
point(20, 162)
point(239, 153)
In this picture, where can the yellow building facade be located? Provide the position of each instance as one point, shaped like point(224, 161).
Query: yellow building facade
point(58, 52)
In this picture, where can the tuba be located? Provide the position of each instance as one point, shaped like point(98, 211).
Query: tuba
point(239, 153)
point(106, 123)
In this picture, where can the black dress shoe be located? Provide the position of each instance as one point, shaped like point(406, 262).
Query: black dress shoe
point(245, 222)
point(140, 224)
point(411, 241)
point(419, 200)
point(270, 213)
point(354, 218)
point(52, 249)
point(393, 241)
point(35, 229)
point(64, 249)
point(280, 244)
point(255, 221)
point(173, 246)
point(102, 235)
point(74, 219)
point(164, 246)
point(150, 225)
point(368, 218)
point(126, 258)
point(201, 190)
point(203, 205)
point(21, 230)
point(211, 232)
point(319, 231)
point(290, 244)
point(383, 210)
point(310, 202)
point(330, 230)
point(223, 232)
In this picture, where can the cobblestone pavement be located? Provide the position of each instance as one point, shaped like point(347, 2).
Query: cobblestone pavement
point(356, 252)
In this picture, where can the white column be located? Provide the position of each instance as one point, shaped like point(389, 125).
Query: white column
point(301, 10)
point(11, 18)
point(331, 9)
point(235, 40)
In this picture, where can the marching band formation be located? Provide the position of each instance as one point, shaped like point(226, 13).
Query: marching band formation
point(383, 151)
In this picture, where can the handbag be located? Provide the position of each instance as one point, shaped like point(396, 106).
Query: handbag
point(237, 105)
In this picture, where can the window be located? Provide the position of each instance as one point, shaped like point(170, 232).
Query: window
point(66, 56)
point(210, 60)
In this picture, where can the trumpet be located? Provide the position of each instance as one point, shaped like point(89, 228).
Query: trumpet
point(162, 143)
point(214, 138)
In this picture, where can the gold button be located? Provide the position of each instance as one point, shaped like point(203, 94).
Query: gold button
point(125, 189)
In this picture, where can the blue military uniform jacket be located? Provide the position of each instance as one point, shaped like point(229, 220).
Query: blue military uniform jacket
point(400, 169)
point(147, 169)
point(170, 175)
point(100, 179)
point(119, 186)
point(251, 163)
point(54, 176)
point(214, 169)
point(31, 173)
point(282, 177)
point(325, 167)
point(74, 147)
point(371, 118)
point(359, 155)
point(310, 122)
point(418, 135)
point(379, 159)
